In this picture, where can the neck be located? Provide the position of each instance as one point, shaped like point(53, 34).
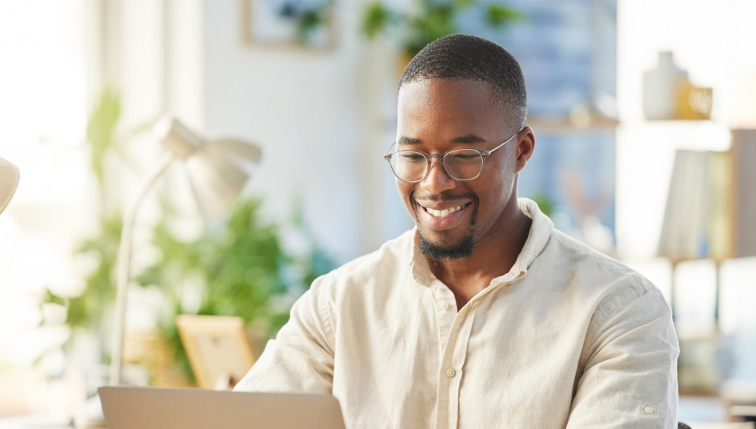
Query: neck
point(493, 255)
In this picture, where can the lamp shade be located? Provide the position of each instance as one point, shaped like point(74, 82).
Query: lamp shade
point(697, 223)
point(9, 177)
point(218, 170)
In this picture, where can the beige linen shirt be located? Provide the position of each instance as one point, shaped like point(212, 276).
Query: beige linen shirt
point(568, 338)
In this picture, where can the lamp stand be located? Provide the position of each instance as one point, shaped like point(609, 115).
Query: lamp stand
point(124, 268)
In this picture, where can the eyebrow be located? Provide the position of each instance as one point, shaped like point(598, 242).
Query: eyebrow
point(409, 141)
point(468, 139)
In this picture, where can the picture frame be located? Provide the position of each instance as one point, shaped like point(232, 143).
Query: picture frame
point(287, 24)
point(218, 349)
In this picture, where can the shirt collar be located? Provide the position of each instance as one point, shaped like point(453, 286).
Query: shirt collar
point(540, 232)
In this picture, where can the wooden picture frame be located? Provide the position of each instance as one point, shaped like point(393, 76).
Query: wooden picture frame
point(218, 349)
point(262, 26)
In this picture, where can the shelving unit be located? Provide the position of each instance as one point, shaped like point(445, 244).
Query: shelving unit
point(569, 125)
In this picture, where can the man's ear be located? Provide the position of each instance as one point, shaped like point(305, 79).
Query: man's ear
point(525, 147)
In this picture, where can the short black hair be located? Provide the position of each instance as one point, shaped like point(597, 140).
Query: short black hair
point(466, 57)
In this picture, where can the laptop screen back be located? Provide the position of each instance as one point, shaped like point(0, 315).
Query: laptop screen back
point(163, 408)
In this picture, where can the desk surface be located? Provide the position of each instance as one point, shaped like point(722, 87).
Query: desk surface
point(721, 425)
point(51, 422)
point(34, 422)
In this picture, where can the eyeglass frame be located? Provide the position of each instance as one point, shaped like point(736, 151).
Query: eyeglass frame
point(428, 157)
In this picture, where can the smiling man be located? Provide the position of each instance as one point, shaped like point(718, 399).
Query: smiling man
point(483, 315)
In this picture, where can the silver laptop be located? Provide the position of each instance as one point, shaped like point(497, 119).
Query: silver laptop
point(162, 408)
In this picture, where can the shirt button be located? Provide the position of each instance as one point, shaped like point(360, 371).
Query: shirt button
point(648, 410)
point(444, 305)
point(451, 372)
point(475, 305)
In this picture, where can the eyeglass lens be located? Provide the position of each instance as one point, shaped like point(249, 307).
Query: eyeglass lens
point(460, 164)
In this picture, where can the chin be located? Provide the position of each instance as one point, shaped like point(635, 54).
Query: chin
point(447, 250)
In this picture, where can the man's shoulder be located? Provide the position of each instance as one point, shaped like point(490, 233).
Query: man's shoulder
point(606, 284)
point(598, 269)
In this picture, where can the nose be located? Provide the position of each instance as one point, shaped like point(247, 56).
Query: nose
point(437, 180)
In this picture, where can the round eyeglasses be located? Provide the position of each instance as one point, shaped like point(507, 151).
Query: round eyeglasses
point(462, 165)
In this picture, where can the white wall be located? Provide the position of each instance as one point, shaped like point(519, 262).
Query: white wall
point(713, 40)
point(42, 122)
point(320, 116)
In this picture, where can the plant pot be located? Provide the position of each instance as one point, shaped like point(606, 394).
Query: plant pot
point(154, 353)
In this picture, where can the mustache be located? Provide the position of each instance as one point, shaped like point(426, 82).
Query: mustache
point(446, 197)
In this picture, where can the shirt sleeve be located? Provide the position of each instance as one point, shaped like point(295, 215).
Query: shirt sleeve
point(629, 378)
point(300, 359)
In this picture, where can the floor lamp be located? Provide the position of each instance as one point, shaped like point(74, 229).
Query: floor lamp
point(9, 177)
point(217, 172)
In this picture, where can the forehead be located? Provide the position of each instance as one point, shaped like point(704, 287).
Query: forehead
point(446, 108)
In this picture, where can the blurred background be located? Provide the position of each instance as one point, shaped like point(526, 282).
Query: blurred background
point(643, 113)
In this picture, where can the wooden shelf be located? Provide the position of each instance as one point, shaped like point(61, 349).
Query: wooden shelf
point(569, 125)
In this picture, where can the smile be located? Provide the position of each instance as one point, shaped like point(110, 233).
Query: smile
point(442, 215)
point(445, 212)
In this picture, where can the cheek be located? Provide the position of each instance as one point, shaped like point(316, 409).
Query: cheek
point(494, 191)
point(503, 174)
point(405, 192)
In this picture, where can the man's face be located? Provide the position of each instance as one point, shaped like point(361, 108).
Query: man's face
point(438, 115)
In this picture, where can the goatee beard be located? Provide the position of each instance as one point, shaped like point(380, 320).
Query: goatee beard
point(462, 249)
point(437, 253)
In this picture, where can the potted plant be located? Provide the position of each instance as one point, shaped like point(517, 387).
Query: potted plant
point(432, 20)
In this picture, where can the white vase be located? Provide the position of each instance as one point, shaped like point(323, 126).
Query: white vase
point(660, 88)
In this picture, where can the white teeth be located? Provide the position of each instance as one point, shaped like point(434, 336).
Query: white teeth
point(445, 212)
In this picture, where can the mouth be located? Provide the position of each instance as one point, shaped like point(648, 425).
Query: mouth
point(442, 217)
point(442, 213)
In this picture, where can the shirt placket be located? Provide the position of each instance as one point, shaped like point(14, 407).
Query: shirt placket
point(446, 310)
point(457, 334)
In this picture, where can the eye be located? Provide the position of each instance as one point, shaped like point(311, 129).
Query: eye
point(412, 157)
point(466, 157)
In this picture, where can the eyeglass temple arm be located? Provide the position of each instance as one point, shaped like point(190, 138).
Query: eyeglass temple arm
point(486, 153)
point(388, 154)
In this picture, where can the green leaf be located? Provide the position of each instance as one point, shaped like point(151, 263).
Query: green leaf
point(435, 19)
point(435, 22)
point(498, 15)
point(545, 203)
point(86, 311)
point(376, 19)
point(241, 265)
point(54, 299)
point(101, 127)
point(464, 4)
point(308, 21)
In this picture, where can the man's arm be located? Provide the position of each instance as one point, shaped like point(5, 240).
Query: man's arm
point(300, 359)
point(630, 373)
